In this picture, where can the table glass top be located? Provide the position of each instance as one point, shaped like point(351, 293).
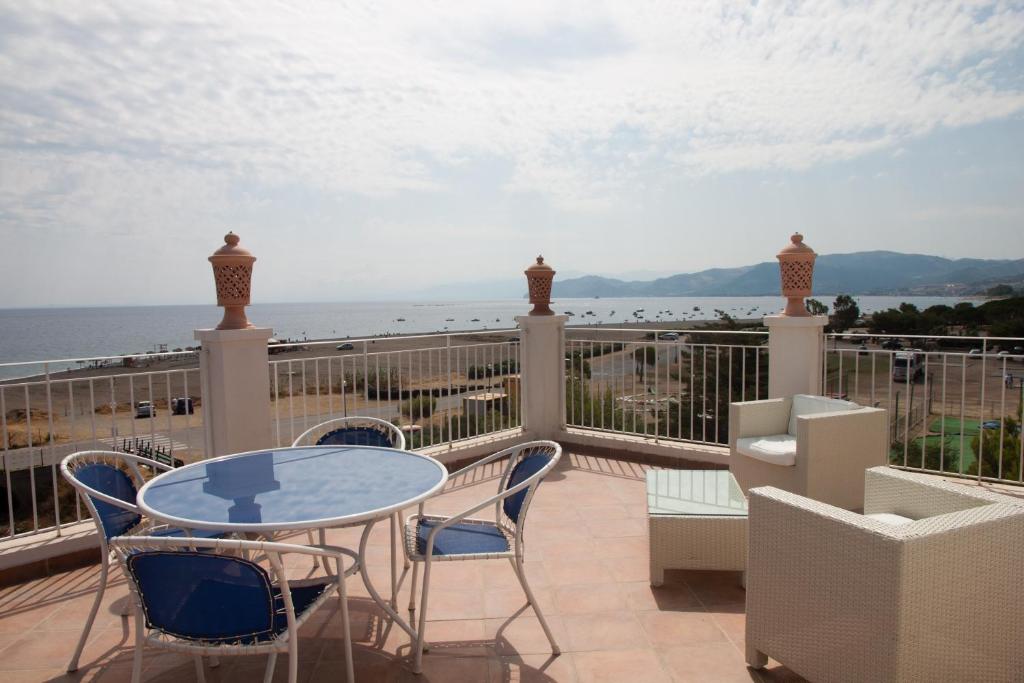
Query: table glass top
point(694, 492)
point(288, 487)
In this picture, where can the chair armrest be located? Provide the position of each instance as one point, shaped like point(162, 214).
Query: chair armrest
point(834, 449)
point(921, 495)
point(758, 418)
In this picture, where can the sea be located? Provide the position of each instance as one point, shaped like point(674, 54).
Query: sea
point(60, 334)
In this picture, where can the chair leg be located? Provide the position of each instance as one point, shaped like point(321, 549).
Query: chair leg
point(104, 568)
point(412, 587)
point(521, 573)
point(346, 629)
point(140, 640)
point(268, 673)
point(417, 666)
point(293, 658)
point(200, 673)
point(394, 561)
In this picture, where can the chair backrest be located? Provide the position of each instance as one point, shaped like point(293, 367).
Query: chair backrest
point(202, 596)
point(353, 431)
point(805, 404)
point(531, 460)
point(108, 489)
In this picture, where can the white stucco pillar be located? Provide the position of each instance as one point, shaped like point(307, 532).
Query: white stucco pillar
point(542, 394)
point(235, 375)
point(795, 348)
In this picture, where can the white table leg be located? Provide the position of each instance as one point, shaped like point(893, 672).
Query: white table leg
point(381, 602)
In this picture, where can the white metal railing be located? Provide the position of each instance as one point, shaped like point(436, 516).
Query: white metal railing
point(954, 402)
point(662, 384)
point(61, 406)
point(440, 388)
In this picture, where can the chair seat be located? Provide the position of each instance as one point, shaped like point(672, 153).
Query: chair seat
point(464, 538)
point(777, 449)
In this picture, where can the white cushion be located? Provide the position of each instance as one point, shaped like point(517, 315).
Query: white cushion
point(890, 518)
point(777, 449)
point(804, 404)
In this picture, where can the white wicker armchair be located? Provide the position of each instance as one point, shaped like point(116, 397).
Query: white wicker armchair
point(810, 445)
point(925, 586)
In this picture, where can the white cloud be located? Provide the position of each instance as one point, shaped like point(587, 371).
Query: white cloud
point(136, 116)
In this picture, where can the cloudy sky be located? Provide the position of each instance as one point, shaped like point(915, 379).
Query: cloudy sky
point(375, 150)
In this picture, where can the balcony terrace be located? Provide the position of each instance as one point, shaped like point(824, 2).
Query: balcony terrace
point(619, 401)
point(587, 562)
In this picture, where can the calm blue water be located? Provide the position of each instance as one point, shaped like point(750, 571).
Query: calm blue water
point(56, 333)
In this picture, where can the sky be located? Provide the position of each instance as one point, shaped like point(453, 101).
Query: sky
point(399, 150)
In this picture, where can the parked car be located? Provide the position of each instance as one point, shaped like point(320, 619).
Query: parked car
point(182, 406)
point(906, 364)
point(892, 344)
point(145, 409)
point(862, 350)
point(345, 347)
point(670, 336)
point(974, 353)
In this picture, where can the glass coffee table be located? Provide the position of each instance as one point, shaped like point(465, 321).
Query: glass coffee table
point(697, 519)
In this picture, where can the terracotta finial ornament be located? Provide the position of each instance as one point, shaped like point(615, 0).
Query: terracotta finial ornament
point(232, 272)
point(796, 263)
point(539, 277)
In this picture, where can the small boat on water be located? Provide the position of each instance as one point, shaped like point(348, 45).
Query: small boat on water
point(399, 320)
point(475, 320)
point(449, 320)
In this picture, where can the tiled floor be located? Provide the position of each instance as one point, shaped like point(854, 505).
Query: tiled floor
point(586, 553)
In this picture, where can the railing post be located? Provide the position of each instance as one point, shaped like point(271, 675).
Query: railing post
point(795, 338)
point(235, 374)
point(542, 375)
point(795, 352)
point(542, 371)
point(234, 367)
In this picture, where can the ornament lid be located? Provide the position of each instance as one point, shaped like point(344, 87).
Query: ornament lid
point(231, 247)
point(796, 247)
point(539, 267)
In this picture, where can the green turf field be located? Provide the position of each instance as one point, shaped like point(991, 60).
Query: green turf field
point(953, 426)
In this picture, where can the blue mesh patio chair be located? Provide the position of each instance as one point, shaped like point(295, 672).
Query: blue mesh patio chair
point(203, 597)
point(108, 482)
point(432, 538)
point(359, 431)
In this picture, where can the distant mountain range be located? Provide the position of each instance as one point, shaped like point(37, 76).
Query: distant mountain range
point(863, 272)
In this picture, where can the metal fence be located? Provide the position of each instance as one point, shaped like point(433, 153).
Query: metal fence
point(149, 404)
point(440, 389)
point(954, 402)
point(662, 384)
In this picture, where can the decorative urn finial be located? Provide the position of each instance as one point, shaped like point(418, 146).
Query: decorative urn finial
point(232, 272)
point(796, 265)
point(539, 277)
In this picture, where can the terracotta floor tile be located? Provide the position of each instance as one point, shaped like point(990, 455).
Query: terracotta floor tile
point(616, 528)
point(623, 665)
point(589, 599)
point(534, 669)
point(624, 546)
point(628, 569)
point(719, 662)
point(577, 571)
point(452, 604)
point(446, 669)
point(667, 629)
point(641, 596)
point(610, 631)
point(731, 619)
point(506, 602)
point(713, 588)
point(523, 635)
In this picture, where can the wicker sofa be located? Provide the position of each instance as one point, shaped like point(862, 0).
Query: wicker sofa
point(927, 585)
point(811, 445)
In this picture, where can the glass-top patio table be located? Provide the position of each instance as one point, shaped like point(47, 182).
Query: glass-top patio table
point(285, 489)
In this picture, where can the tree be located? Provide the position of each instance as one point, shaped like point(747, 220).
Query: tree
point(815, 307)
point(845, 313)
point(999, 290)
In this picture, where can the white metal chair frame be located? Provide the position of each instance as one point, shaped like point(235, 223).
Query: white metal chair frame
point(124, 546)
point(513, 532)
point(316, 432)
point(130, 464)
